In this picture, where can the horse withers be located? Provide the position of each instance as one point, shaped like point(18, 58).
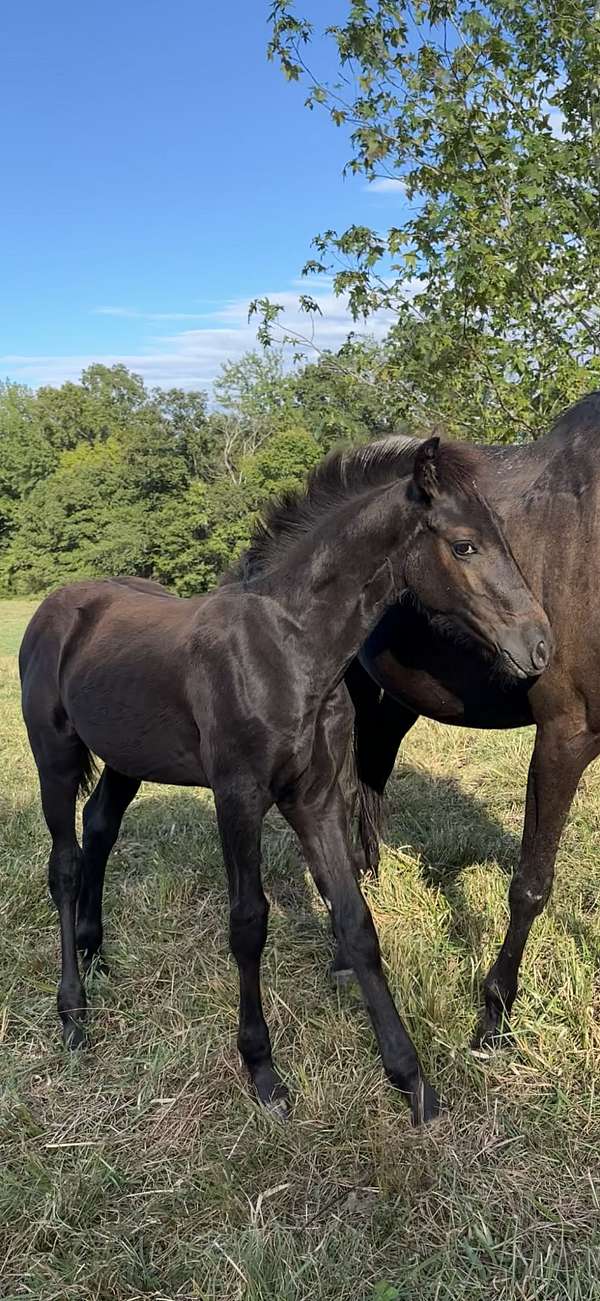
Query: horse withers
point(242, 691)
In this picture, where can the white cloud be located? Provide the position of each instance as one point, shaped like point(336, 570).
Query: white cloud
point(386, 185)
point(192, 358)
point(132, 314)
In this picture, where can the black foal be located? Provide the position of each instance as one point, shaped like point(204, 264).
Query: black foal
point(242, 691)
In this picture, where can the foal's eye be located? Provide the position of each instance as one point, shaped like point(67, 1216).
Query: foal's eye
point(462, 549)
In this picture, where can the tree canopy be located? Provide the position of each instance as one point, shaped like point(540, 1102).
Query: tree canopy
point(107, 477)
point(487, 117)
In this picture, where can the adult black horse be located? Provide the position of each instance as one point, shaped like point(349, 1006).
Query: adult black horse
point(547, 494)
point(242, 691)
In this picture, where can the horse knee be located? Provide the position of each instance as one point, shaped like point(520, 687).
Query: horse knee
point(64, 875)
point(529, 897)
point(248, 928)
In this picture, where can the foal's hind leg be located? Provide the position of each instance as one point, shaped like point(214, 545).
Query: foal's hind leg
point(240, 819)
point(102, 817)
point(58, 785)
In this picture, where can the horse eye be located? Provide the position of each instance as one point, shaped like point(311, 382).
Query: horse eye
point(462, 549)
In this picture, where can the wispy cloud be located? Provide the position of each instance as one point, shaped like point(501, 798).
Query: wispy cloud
point(386, 185)
point(192, 358)
point(132, 314)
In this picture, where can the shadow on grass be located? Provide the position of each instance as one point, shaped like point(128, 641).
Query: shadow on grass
point(433, 817)
point(179, 832)
point(450, 830)
point(176, 834)
point(175, 831)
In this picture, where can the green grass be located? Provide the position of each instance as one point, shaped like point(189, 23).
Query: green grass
point(14, 617)
point(142, 1167)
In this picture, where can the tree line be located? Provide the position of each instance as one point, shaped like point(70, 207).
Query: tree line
point(106, 476)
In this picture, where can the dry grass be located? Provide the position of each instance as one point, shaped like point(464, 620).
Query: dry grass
point(142, 1168)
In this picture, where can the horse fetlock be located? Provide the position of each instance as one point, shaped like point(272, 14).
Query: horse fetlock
point(424, 1102)
point(89, 937)
point(494, 1030)
point(73, 1034)
point(271, 1091)
point(499, 997)
point(421, 1096)
point(72, 1008)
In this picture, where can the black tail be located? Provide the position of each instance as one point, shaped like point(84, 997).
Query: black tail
point(380, 724)
point(370, 819)
point(89, 772)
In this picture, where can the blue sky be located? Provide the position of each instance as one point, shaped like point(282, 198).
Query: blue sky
point(158, 173)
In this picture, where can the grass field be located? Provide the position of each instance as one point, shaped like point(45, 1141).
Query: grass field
point(142, 1167)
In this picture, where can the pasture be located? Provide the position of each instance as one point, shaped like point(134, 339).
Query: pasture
point(142, 1168)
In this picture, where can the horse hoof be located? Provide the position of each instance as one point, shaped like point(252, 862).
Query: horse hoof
point(490, 1037)
point(424, 1103)
point(94, 964)
point(272, 1092)
point(279, 1109)
point(343, 976)
point(73, 1036)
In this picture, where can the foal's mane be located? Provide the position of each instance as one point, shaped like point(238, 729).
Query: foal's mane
point(341, 476)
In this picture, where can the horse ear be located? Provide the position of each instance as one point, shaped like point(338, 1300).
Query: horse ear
point(425, 469)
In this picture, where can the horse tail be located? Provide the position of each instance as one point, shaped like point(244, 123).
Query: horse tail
point(370, 818)
point(89, 772)
point(380, 723)
point(365, 695)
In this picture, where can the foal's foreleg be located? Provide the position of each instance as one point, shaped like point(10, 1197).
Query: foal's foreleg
point(558, 761)
point(240, 818)
point(324, 834)
point(102, 817)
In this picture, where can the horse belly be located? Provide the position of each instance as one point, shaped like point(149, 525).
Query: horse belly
point(449, 683)
point(488, 705)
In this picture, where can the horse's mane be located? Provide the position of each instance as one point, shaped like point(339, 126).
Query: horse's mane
point(341, 476)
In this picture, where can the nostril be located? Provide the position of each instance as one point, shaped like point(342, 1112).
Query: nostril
point(540, 655)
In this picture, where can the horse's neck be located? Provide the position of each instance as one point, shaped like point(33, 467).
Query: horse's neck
point(338, 581)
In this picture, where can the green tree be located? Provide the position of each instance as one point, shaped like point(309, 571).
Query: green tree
point(488, 116)
point(105, 477)
point(350, 395)
point(64, 519)
point(280, 465)
point(255, 397)
point(25, 454)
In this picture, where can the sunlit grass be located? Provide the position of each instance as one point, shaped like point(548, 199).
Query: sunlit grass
point(142, 1167)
